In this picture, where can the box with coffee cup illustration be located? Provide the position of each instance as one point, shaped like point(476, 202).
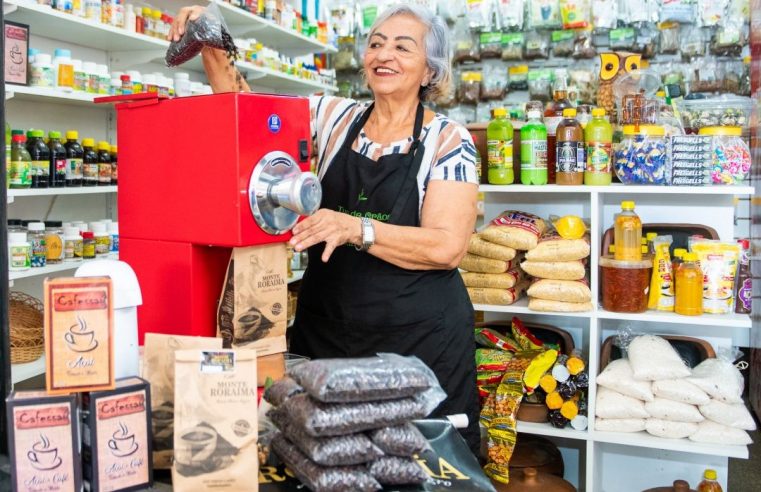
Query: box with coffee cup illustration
point(116, 437)
point(158, 370)
point(215, 421)
point(252, 312)
point(78, 334)
point(43, 442)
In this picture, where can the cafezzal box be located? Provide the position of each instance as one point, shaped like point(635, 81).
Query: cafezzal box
point(43, 442)
point(78, 334)
point(116, 437)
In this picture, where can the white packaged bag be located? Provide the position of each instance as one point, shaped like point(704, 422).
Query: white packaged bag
point(730, 414)
point(711, 432)
point(720, 379)
point(653, 358)
point(680, 390)
point(674, 411)
point(613, 405)
point(618, 376)
point(670, 430)
point(619, 425)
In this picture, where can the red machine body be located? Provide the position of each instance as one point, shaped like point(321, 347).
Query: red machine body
point(184, 171)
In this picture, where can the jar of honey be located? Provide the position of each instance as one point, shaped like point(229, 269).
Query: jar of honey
point(689, 286)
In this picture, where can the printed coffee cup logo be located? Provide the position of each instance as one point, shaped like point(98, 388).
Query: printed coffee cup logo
point(122, 442)
point(43, 417)
point(44, 456)
point(79, 338)
point(118, 407)
point(80, 300)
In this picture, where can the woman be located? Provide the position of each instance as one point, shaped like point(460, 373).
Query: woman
point(398, 208)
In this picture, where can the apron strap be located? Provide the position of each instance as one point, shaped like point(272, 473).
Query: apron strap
point(356, 128)
point(417, 150)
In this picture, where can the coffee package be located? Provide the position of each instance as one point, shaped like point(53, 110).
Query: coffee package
point(116, 437)
point(252, 310)
point(79, 334)
point(43, 442)
point(158, 370)
point(215, 419)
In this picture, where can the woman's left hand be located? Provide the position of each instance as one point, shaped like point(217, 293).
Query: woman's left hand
point(333, 228)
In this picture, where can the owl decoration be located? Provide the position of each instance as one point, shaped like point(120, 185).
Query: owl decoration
point(612, 66)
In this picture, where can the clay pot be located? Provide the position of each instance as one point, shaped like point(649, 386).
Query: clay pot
point(538, 453)
point(679, 486)
point(530, 480)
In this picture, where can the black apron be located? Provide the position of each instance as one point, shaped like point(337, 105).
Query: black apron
point(357, 305)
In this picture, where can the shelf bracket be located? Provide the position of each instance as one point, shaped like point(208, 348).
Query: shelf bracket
point(121, 60)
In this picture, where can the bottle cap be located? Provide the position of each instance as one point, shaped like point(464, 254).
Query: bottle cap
point(54, 134)
point(37, 133)
point(17, 237)
point(500, 112)
point(598, 112)
point(62, 53)
point(569, 113)
point(744, 243)
point(679, 252)
point(651, 235)
point(533, 113)
point(709, 474)
point(643, 241)
point(17, 132)
point(53, 223)
point(19, 138)
point(71, 232)
point(627, 205)
point(612, 248)
point(98, 228)
point(43, 59)
point(654, 130)
point(125, 78)
point(72, 135)
point(88, 142)
point(728, 131)
point(690, 257)
point(113, 228)
point(14, 222)
point(36, 226)
point(643, 249)
point(104, 146)
point(146, 11)
point(186, 76)
point(87, 235)
point(114, 149)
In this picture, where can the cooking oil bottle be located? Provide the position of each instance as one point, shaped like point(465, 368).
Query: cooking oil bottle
point(627, 235)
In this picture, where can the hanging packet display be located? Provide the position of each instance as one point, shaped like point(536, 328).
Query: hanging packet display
point(544, 14)
point(604, 14)
point(711, 12)
point(511, 14)
point(512, 46)
point(718, 261)
point(662, 283)
point(478, 13)
point(575, 14)
point(682, 11)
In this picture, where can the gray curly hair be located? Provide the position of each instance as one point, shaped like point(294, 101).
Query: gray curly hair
point(436, 47)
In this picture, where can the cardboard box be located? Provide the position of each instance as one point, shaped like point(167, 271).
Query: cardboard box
point(116, 437)
point(43, 442)
point(79, 323)
point(272, 366)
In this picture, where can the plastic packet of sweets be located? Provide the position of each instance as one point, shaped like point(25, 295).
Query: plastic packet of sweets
point(502, 431)
point(719, 261)
point(662, 284)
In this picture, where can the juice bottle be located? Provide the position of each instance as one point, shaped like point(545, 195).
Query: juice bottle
point(20, 169)
point(115, 166)
point(40, 155)
point(499, 145)
point(689, 288)
point(74, 155)
point(649, 240)
point(709, 483)
point(553, 115)
point(57, 160)
point(599, 138)
point(570, 150)
point(534, 150)
point(89, 163)
point(104, 164)
point(627, 233)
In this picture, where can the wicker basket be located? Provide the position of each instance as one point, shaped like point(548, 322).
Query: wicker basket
point(27, 321)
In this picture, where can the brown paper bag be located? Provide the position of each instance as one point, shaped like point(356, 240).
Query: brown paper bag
point(252, 310)
point(158, 369)
point(215, 443)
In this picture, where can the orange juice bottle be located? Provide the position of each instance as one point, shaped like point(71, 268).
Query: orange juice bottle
point(627, 233)
point(709, 483)
point(689, 288)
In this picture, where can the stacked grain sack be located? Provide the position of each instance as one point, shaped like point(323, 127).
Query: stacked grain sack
point(654, 391)
point(558, 266)
point(491, 272)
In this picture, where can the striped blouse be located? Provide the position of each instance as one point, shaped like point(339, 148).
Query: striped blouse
point(449, 151)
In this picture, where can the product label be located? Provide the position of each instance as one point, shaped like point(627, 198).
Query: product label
point(102, 245)
point(73, 168)
point(54, 243)
point(745, 294)
point(80, 81)
point(41, 169)
point(59, 166)
point(104, 172)
point(598, 157)
point(39, 251)
point(512, 38)
point(114, 243)
point(500, 154)
point(90, 172)
point(41, 77)
point(570, 157)
point(19, 256)
point(93, 82)
point(65, 75)
point(20, 173)
point(491, 38)
point(533, 155)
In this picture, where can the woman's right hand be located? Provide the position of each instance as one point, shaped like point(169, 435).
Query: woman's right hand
point(185, 15)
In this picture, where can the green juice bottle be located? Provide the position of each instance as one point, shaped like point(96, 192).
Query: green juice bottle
point(598, 136)
point(499, 148)
point(534, 150)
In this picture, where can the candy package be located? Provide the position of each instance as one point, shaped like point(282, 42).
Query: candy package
point(511, 14)
point(645, 42)
point(711, 12)
point(492, 359)
point(502, 428)
point(544, 14)
point(719, 261)
point(729, 38)
point(693, 43)
point(562, 43)
point(638, 12)
point(604, 14)
point(512, 46)
point(575, 14)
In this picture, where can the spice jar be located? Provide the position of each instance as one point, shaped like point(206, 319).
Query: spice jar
point(641, 156)
point(88, 245)
point(54, 241)
point(72, 244)
point(19, 252)
point(102, 239)
point(625, 284)
point(730, 155)
point(37, 239)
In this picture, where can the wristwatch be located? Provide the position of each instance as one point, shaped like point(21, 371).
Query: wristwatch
point(368, 234)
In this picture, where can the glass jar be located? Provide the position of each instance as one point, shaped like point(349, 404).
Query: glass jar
point(19, 252)
point(730, 155)
point(642, 156)
point(625, 284)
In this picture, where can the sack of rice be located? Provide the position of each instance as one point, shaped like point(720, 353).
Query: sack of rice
point(480, 247)
point(555, 270)
point(497, 297)
point(543, 305)
point(560, 290)
point(481, 264)
point(493, 280)
point(552, 247)
point(514, 229)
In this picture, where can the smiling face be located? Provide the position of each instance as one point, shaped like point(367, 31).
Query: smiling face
point(395, 62)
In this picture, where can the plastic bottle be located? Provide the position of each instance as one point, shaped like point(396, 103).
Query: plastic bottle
point(102, 239)
point(534, 150)
point(743, 286)
point(130, 18)
point(40, 155)
point(499, 149)
point(140, 20)
point(80, 77)
point(113, 231)
point(709, 483)
point(90, 70)
point(36, 237)
point(54, 241)
point(126, 84)
point(106, 11)
point(72, 241)
point(74, 156)
point(114, 165)
point(137, 81)
point(182, 84)
point(627, 233)
point(158, 25)
point(104, 164)
point(42, 73)
point(57, 163)
point(89, 163)
point(19, 252)
point(570, 152)
point(20, 169)
point(64, 69)
point(104, 79)
point(599, 138)
point(689, 287)
point(553, 115)
point(88, 245)
point(117, 14)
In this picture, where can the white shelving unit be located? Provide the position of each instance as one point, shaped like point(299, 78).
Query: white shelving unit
point(51, 95)
point(49, 269)
point(602, 461)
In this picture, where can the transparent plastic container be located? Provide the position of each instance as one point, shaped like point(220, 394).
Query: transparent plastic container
point(730, 155)
point(715, 111)
point(642, 156)
point(625, 284)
